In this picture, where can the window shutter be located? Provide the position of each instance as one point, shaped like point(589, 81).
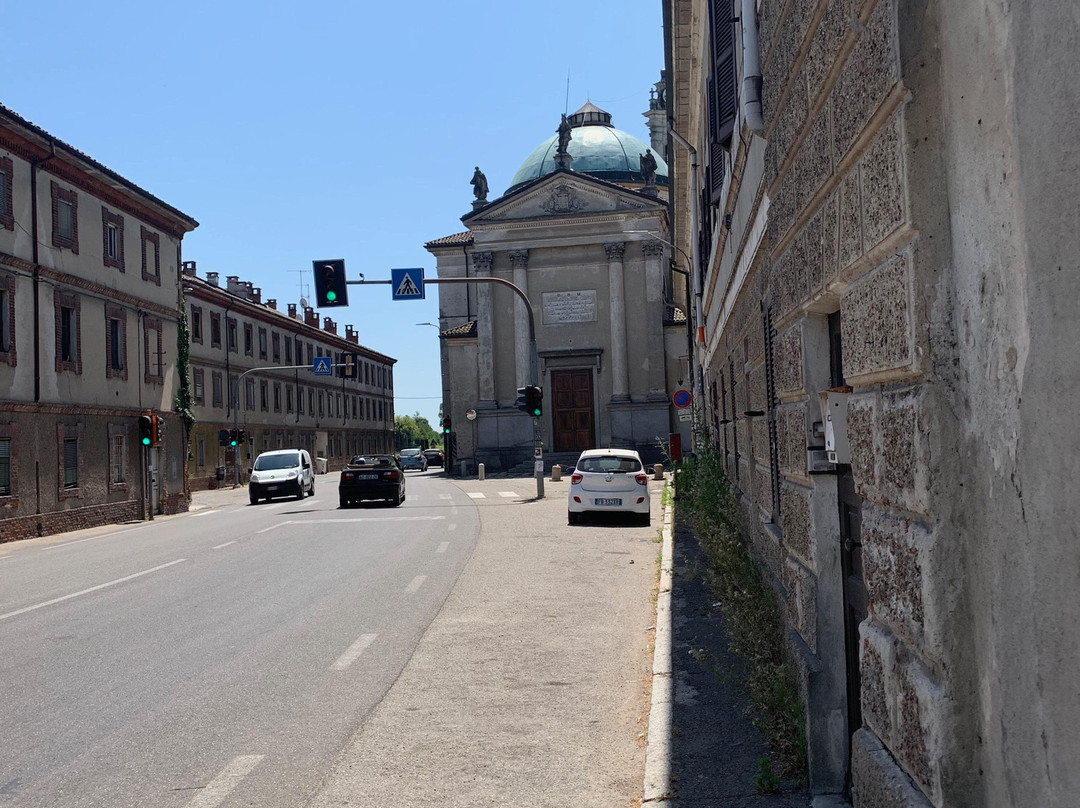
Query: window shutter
point(722, 90)
point(770, 405)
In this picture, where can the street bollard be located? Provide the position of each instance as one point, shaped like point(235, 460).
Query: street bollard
point(556, 473)
point(658, 471)
point(480, 471)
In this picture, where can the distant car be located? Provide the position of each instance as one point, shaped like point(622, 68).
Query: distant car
point(609, 481)
point(281, 473)
point(371, 477)
point(434, 457)
point(412, 459)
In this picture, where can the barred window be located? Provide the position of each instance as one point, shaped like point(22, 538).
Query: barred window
point(5, 466)
point(117, 465)
point(71, 462)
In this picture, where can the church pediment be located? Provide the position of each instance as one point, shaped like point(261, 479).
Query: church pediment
point(562, 195)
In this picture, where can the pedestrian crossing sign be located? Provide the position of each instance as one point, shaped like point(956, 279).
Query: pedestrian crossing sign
point(407, 284)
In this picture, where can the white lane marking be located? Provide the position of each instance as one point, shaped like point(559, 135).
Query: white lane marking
point(365, 520)
point(444, 496)
point(508, 494)
point(453, 511)
point(219, 546)
point(88, 591)
point(442, 547)
point(202, 513)
point(354, 651)
point(451, 526)
point(415, 584)
point(4, 558)
point(219, 788)
point(94, 538)
point(476, 495)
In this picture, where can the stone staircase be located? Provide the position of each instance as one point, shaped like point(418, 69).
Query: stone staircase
point(525, 469)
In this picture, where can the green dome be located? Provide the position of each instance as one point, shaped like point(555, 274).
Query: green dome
point(598, 149)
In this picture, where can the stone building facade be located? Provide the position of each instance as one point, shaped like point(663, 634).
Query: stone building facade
point(887, 245)
point(584, 238)
point(251, 365)
point(89, 305)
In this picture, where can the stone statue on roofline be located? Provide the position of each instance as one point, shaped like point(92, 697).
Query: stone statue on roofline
point(479, 184)
point(564, 135)
point(647, 163)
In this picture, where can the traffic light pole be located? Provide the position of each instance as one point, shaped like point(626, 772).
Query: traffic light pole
point(534, 370)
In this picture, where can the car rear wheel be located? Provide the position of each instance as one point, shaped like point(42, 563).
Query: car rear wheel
point(254, 500)
point(300, 491)
point(311, 491)
point(644, 519)
point(573, 518)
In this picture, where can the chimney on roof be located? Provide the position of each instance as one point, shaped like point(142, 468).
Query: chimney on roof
point(245, 289)
point(311, 317)
point(232, 284)
point(188, 268)
point(329, 326)
point(212, 278)
point(256, 293)
point(292, 310)
point(351, 335)
point(271, 303)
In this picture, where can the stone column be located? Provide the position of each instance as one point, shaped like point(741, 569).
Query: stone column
point(519, 260)
point(485, 316)
point(620, 386)
point(654, 302)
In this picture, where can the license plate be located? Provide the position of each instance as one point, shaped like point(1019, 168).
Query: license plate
point(608, 501)
point(271, 488)
point(368, 477)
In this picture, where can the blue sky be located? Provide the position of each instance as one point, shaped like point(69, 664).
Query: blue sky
point(297, 131)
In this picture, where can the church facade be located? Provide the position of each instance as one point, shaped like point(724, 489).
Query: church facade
point(582, 231)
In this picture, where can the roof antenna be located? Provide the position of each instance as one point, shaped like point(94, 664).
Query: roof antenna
point(566, 104)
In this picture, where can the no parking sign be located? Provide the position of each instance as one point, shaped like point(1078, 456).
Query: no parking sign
point(681, 399)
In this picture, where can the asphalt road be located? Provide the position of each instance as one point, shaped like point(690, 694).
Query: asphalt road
point(468, 648)
point(223, 657)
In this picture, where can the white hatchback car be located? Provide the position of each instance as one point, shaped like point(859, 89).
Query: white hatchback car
point(609, 481)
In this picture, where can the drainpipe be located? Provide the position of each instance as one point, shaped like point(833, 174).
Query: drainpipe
point(696, 271)
point(751, 84)
point(34, 166)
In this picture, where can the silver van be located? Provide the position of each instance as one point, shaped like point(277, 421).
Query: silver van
point(281, 473)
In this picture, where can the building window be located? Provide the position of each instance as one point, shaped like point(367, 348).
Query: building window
point(215, 380)
point(201, 452)
point(117, 464)
point(153, 353)
point(322, 407)
point(65, 210)
point(71, 462)
point(196, 324)
point(299, 401)
point(112, 239)
point(288, 398)
point(249, 334)
point(249, 394)
point(277, 397)
point(275, 341)
point(5, 467)
point(7, 319)
point(151, 255)
point(115, 342)
point(311, 401)
point(231, 328)
point(7, 208)
point(288, 351)
point(310, 354)
point(215, 330)
point(68, 322)
point(262, 343)
point(262, 396)
point(197, 382)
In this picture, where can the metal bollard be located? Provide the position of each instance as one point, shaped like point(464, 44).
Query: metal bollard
point(556, 473)
point(480, 471)
point(658, 471)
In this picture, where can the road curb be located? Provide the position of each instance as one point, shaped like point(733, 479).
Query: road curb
point(656, 790)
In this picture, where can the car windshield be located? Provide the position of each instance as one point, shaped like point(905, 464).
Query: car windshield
point(277, 461)
point(410, 452)
point(609, 464)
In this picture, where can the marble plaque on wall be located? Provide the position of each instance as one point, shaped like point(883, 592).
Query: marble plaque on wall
point(569, 307)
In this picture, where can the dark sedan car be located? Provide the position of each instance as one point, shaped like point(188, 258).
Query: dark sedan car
point(371, 477)
point(434, 457)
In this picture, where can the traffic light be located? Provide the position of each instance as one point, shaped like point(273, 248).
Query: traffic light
point(330, 283)
point(446, 426)
point(223, 437)
point(349, 364)
point(233, 434)
point(146, 430)
point(159, 430)
point(241, 436)
point(534, 398)
point(530, 400)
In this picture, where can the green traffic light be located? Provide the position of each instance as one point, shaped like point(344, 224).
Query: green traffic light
point(146, 441)
point(536, 412)
point(331, 295)
point(232, 443)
